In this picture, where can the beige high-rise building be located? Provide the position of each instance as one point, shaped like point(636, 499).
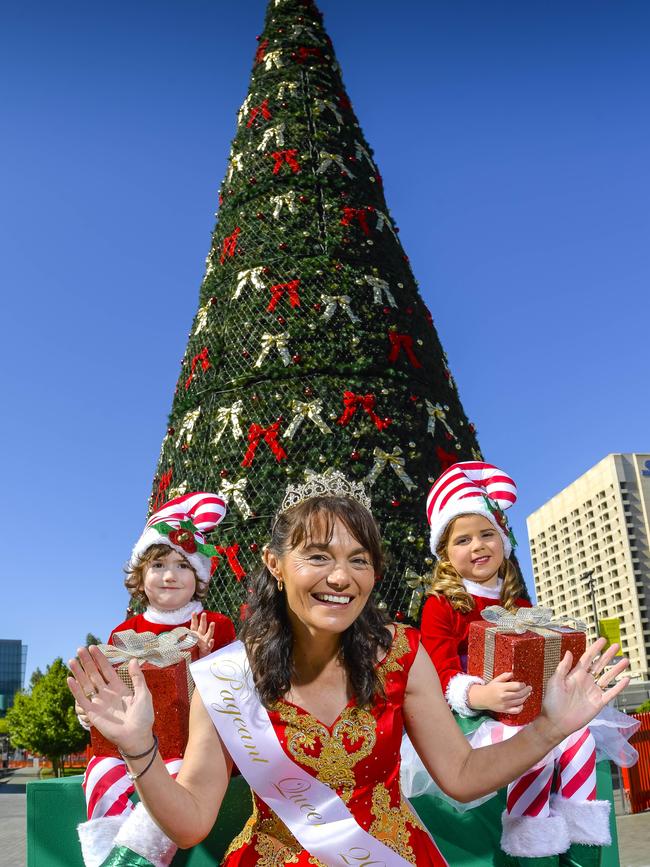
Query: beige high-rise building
point(601, 524)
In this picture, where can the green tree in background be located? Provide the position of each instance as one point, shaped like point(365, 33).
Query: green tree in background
point(37, 674)
point(44, 722)
point(92, 639)
point(312, 347)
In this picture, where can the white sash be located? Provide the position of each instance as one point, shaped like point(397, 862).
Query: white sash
point(313, 812)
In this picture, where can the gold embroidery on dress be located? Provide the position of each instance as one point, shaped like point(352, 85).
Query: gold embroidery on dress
point(245, 835)
point(391, 662)
point(391, 823)
point(333, 762)
point(274, 843)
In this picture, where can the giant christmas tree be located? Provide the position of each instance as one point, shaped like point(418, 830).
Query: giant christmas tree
point(312, 347)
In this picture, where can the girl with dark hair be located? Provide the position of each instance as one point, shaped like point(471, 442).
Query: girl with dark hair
point(311, 704)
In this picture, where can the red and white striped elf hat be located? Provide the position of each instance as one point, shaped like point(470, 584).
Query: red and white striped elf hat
point(201, 512)
point(471, 488)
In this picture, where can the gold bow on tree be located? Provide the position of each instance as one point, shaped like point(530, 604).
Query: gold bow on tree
point(395, 460)
point(418, 584)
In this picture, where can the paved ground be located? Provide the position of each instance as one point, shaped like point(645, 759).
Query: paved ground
point(12, 818)
point(633, 831)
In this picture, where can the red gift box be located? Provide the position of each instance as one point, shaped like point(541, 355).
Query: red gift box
point(171, 707)
point(171, 688)
point(532, 656)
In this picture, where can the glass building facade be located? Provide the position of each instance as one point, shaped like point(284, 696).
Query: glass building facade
point(13, 658)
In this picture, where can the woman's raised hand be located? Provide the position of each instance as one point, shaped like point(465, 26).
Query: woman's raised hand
point(575, 696)
point(124, 718)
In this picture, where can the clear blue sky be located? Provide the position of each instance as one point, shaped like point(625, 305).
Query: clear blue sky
point(513, 139)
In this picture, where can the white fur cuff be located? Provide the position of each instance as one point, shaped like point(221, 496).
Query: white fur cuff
point(456, 693)
point(96, 837)
point(587, 821)
point(141, 834)
point(534, 836)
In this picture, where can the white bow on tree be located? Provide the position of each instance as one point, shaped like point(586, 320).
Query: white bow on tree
point(280, 342)
point(236, 491)
point(186, 430)
point(229, 415)
point(273, 132)
point(252, 276)
point(328, 159)
point(394, 460)
point(334, 301)
point(303, 410)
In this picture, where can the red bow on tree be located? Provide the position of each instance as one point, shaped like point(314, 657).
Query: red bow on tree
point(287, 156)
point(229, 245)
point(270, 436)
point(405, 342)
point(278, 291)
point(352, 402)
point(163, 484)
point(359, 214)
point(446, 458)
point(304, 53)
point(344, 100)
point(262, 109)
point(261, 51)
point(202, 357)
point(230, 553)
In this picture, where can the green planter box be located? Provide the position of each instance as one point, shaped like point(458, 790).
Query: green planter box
point(56, 807)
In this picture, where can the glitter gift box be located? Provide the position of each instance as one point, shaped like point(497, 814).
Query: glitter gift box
point(171, 687)
point(171, 707)
point(531, 651)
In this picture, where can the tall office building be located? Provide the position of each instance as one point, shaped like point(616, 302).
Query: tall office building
point(599, 524)
point(13, 658)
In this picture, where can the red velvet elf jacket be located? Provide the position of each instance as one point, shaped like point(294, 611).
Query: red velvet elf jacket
point(161, 621)
point(444, 636)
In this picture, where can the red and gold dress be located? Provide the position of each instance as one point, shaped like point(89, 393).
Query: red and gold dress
point(359, 757)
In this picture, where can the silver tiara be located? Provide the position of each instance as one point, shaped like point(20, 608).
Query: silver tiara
point(331, 483)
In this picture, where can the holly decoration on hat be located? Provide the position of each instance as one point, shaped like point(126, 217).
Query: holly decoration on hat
point(499, 516)
point(183, 539)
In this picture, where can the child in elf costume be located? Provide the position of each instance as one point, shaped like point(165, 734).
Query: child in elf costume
point(553, 806)
point(168, 572)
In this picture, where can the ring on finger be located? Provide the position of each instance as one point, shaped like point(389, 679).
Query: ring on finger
point(91, 695)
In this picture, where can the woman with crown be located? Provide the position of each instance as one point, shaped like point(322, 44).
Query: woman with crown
point(310, 705)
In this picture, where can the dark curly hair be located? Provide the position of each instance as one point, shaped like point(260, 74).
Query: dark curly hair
point(267, 632)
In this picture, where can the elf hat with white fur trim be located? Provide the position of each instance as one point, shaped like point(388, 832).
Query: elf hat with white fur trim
point(471, 488)
point(182, 524)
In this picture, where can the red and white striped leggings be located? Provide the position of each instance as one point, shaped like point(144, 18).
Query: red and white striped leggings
point(107, 787)
point(569, 770)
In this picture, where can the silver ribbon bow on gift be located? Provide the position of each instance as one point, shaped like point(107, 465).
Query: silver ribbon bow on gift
point(160, 650)
point(524, 619)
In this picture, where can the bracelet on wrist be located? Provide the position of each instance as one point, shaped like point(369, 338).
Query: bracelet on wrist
point(154, 753)
point(139, 755)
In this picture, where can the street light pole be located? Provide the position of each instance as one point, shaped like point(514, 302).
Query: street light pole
point(591, 581)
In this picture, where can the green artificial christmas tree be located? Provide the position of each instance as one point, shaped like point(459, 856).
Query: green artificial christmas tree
point(312, 347)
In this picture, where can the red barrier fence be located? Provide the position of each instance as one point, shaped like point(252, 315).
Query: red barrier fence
point(637, 778)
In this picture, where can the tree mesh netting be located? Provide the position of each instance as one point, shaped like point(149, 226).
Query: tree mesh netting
point(312, 347)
